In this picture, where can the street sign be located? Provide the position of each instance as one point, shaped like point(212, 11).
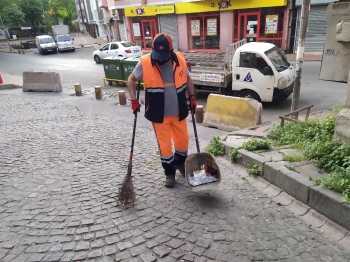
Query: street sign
point(26, 28)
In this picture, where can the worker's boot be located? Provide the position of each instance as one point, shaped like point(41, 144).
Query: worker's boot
point(169, 180)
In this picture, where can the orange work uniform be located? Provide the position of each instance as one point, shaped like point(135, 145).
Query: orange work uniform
point(167, 128)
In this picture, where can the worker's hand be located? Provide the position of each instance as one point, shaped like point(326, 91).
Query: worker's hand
point(135, 105)
point(193, 102)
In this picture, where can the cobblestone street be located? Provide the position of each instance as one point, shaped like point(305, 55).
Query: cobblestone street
point(60, 170)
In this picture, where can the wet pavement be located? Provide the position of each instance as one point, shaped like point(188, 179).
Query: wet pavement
point(60, 170)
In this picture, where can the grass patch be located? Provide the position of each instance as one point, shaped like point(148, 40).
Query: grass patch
point(291, 168)
point(256, 144)
point(315, 140)
point(293, 158)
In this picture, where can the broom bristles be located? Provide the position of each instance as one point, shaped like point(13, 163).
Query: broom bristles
point(126, 195)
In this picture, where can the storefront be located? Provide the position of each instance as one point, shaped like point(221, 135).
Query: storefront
point(317, 26)
point(208, 24)
point(146, 21)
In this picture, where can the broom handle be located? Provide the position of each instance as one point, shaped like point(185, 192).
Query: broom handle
point(195, 130)
point(134, 128)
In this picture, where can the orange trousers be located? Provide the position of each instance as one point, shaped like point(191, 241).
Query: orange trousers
point(172, 130)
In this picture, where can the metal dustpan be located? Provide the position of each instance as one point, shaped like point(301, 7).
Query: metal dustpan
point(195, 177)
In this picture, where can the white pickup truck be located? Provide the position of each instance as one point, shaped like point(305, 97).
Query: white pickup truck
point(62, 38)
point(257, 70)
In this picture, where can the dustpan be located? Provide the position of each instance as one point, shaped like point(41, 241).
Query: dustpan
point(194, 162)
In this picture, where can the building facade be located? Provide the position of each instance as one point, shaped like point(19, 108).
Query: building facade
point(201, 25)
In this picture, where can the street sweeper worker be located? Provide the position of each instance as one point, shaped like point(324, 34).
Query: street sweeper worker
point(166, 78)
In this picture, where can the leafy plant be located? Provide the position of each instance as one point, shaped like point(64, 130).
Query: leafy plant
point(338, 180)
point(216, 147)
point(233, 154)
point(253, 169)
point(256, 144)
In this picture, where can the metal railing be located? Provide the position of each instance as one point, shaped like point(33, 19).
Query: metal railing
point(230, 51)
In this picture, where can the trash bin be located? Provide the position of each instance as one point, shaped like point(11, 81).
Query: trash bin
point(113, 68)
point(128, 65)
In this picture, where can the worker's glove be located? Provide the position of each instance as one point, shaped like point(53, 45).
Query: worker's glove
point(135, 105)
point(193, 102)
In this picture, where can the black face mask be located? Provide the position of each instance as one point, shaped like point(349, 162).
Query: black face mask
point(163, 62)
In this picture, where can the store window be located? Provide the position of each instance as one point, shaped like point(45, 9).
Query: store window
point(143, 30)
point(204, 31)
point(260, 25)
point(271, 25)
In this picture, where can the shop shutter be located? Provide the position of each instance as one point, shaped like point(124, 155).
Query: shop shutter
point(316, 33)
point(168, 25)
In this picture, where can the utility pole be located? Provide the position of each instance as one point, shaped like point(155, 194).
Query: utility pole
point(7, 35)
point(304, 21)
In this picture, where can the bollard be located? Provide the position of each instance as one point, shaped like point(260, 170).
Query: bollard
point(19, 51)
point(199, 114)
point(23, 52)
point(77, 88)
point(98, 92)
point(122, 98)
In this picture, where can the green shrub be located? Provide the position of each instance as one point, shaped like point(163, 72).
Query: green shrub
point(253, 169)
point(233, 154)
point(216, 147)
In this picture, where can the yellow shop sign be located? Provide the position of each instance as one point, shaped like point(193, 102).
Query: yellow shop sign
point(149, 10)
point(164, 9)
point(223, 5)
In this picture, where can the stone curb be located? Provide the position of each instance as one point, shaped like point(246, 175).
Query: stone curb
point(322, 200)
point(9, 86)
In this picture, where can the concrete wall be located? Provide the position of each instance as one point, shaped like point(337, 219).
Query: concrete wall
point(336, 55)
point(342, 125)
point(226, 22)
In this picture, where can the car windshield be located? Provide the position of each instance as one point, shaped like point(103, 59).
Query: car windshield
point(278, 59)
point(127, 44)
point(46, 40)
point(64, 38)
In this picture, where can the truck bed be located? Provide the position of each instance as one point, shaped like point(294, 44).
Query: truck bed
point(212, 70)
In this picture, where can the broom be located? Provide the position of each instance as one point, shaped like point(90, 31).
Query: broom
point(126, 195)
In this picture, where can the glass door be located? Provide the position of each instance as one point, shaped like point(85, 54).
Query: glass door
point(248, 26)
point(149, 31)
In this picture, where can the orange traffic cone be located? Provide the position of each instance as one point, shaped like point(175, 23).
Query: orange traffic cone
point(1, 82)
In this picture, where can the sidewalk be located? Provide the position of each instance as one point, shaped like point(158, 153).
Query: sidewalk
point(295, 179)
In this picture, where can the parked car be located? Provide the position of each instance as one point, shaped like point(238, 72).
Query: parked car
point(45, 43)
point(65, 43)
point(121, 49)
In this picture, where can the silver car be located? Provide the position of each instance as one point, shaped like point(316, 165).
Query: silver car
point(119, 49)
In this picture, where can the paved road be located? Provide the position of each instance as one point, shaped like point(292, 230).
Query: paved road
point(60, 168)
point(80, 67)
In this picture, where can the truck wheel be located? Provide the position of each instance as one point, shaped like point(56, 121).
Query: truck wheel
point(249, 94)
point(110, 83)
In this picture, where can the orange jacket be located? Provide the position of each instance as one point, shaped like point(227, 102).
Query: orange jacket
point(154, 97)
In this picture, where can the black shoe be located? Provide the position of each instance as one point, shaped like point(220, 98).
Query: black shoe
point(181, 169)
point(169, 180)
